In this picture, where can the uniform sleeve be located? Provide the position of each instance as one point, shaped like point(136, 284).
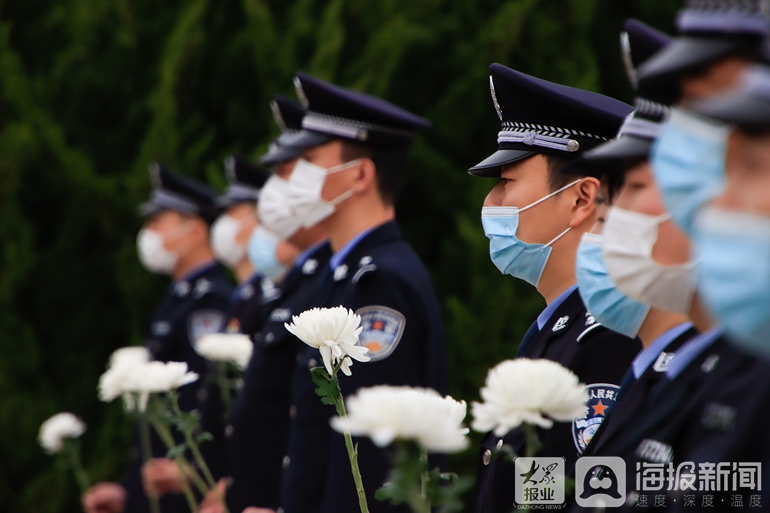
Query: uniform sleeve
point(394, 328)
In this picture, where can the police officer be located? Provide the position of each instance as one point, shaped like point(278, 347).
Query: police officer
point(717, 40)
point(258, 430)
point(258, 257)
point(535, 217)
point(660, 331)
point(355, 161)
point(174, 241)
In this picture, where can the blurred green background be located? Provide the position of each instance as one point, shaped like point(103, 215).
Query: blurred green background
point(91, 91)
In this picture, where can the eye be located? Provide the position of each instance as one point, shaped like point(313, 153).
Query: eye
point(505, 181)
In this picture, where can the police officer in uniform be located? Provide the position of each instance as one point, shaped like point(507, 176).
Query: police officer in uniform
point(258, 429)
point(356, 151)
point(535, 217)
point(258, 257)
point(661, 332)
point(174, 241)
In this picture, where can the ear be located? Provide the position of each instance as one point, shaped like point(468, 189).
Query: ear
point(366, 177)
point(584, 206)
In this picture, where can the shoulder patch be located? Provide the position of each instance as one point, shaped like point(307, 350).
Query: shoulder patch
point(601, 398)
point(382, 330)
point(203, 322)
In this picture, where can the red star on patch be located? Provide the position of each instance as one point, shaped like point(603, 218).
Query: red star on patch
point(378, 325)
point(599, 408)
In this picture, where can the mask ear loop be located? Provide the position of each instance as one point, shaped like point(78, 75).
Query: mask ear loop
point(554, 193)
point(336, 169)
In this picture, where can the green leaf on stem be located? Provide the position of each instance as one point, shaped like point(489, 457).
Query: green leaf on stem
point(328, 387)
point(175, 451)
point(204, 437)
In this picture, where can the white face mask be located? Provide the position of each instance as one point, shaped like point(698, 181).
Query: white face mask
point(151, 247)
point(629, 238)
point(305, 186)
point(224, 233)
point(274, 210)
point(285, 206)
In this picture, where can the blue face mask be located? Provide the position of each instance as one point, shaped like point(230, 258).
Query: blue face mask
point(607, 304)
point(688, 160)
point(262, 246)
point(733, 252)
point(512, 256)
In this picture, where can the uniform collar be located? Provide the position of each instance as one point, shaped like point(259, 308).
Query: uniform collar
point(308, 253)
point(691, 350)
point(340, 255)
point(197, 271)
point(649, 354)
point(550, 309)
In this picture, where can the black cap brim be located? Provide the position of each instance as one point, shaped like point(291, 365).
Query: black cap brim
point(610, 157)
point(687, 53)
point(308, 139)
point(737, 109)
point(492, 166)
point(148, 208)
point(279, 154)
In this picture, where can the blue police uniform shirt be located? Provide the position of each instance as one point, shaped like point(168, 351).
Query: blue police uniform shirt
point(379, 277)
point(258, 429)
point(194, 306)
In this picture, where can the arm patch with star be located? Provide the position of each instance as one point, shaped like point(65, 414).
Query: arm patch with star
point(382, 330)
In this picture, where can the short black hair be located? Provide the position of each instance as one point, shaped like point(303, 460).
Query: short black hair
point(557, 179)
point(391, 165)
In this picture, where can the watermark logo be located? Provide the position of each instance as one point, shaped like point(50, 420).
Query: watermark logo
point(600, 482)
point(539, 482)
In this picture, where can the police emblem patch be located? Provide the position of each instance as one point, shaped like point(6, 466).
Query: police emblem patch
point(601, 397)
point(204, 322)
point(382, 330)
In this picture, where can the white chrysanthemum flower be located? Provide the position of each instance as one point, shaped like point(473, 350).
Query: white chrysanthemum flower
point(532, 391)
point(54, 430)
point(334, 331)
point(157, 377)
point(123, 362)
point(385, 413)
point(225, 347)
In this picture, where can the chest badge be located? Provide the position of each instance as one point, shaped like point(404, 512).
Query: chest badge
point(601, 398)
point(560, 323)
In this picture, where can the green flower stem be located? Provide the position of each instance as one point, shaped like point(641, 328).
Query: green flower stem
point(184, 470)
point(339, 403)
point(425, 490)
point(144, 435)
point(532, 440)
point(71, 447)
point(193, 445)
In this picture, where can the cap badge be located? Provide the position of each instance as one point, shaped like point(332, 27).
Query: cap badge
point(301, 92)
point(494, 98)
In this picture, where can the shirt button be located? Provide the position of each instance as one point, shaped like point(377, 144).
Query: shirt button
point(269, 337)
point(487, 457)
point(285, 462)
point(228, 431)
point(279, 510)
point(312, 363)
point(293, 412)
point(500, 443)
